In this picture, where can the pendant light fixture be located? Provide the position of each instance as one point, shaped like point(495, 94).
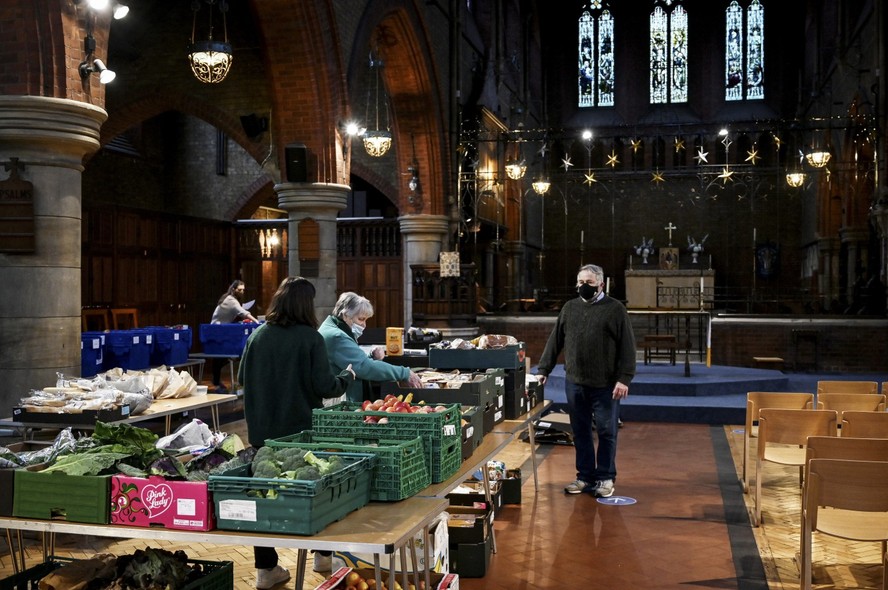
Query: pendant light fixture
point(210, 59)
point(377, 141)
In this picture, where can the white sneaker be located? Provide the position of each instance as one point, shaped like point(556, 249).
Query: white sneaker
point(272, 576)
point(604, 488)
point(322, 563)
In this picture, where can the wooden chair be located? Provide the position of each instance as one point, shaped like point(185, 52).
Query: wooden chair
point(124, 318)
point(846, 499)
point(847, 387)
point(782, 437)
point(755, 401)
point(94, 320)
point(864, 424)
point(840, 402)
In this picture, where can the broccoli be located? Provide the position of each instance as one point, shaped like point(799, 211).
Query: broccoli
point(324, 466)
point(267, 468)
point(285, 453)
point(307, 473)
point(292, 463)
point(336, 463)
point(264, 453)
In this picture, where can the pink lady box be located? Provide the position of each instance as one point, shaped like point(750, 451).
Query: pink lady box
point(155, 501)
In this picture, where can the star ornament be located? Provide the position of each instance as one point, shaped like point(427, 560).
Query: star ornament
point(726, 174)
point(657, 177)
point(777, 141)
point(752, 156)
point(543, 149)
point(679, 144)
point(727, 142)
point(590, 178)
point(612, 160)
point(701, 156)
point(566, 163)
point(636, 145)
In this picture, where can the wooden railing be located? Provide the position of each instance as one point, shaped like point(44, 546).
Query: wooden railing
point(375, 238)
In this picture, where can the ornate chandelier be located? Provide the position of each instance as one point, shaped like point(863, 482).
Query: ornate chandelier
point(515, 169)
point(541, 185)
point(377, 141)
point(210, 59)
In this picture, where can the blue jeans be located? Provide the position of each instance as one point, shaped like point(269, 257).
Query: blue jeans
point(593, 407)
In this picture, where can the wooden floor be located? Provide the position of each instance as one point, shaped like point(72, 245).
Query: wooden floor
point(688, 529)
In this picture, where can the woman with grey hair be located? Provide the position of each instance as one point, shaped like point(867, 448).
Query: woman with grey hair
point(341, 331)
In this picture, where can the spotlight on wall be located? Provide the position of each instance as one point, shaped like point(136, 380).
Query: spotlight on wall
point(120, 10)
point(97, 66)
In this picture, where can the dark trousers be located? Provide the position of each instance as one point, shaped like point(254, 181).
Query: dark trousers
point(593, 411)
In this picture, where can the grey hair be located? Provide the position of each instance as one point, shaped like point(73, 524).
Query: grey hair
point(351, 305)
point(594, 269)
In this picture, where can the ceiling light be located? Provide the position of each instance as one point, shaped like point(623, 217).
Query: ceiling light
point(210, 60)
point(541, 185)
point(818, 157)
point(377, 141)
point(515, 169)
point(120, 10)
point(796, 178)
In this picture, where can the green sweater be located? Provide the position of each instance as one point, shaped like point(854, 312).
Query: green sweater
point(597, 340)
point(285, 374)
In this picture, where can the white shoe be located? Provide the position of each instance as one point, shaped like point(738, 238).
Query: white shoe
point(322, 563)
point(269, 577)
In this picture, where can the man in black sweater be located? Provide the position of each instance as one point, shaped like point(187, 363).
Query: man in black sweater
point(594, 332)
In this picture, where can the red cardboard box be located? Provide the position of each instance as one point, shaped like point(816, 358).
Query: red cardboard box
point(158, 502)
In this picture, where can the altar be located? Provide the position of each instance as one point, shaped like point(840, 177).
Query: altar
point(690, 288)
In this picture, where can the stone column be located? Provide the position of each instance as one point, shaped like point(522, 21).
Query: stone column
point(320, 202)
point(516, 270)
point(40, 291)
point(423, 236)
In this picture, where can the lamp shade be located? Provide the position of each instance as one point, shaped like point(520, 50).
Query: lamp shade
point(515, 169)
point(796, 178)
point(210, 60)
point(541, 185)
point(377, 142)
point(818, 158)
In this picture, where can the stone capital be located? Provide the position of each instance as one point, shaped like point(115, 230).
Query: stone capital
point(312, 199)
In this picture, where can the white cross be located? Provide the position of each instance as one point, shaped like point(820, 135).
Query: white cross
point(669, 228)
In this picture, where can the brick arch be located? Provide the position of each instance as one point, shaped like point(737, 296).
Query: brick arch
point(418, 114)
point(126, 116)
point(306, 74)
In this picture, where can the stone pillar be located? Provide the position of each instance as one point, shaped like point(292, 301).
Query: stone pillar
point(320, 202)
point(40, 291)
point(423, 236)
point(516, 271)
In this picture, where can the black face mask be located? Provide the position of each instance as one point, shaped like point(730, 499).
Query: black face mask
point(587, 291)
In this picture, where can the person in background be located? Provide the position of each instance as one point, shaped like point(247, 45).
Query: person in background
point(341, 331)
point(596, 336)
point(286, 374)
point(229, 311)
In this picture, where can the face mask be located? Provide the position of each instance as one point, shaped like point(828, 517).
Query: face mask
point(587, 291)
point(357, 330)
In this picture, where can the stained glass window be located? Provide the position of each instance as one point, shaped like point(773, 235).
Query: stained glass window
point(744, 55)
point(596, 56)
point(669, 52)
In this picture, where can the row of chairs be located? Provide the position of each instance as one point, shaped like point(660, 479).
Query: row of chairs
point(102, 320)
point(851, 387)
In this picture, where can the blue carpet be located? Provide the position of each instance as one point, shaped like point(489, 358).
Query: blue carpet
point(710, 395)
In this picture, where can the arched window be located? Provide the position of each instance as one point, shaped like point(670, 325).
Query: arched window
point(596, 55)
point(669, 52)
point(745, 53)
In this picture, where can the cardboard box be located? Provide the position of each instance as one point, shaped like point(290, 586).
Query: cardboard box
point(515, 398)
point(337, 580)
point(471, 493)
point(84, 417)
point(59, 496)
point(439, 557)
point(158, 502)
point(472, 431)
point(478, 390)
point(508, 357)
point(471, 560)
point(512, 487)
point(467, 524)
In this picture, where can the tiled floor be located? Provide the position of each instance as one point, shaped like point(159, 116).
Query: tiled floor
point(687, 529)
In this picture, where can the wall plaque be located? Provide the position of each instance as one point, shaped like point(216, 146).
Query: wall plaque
point(16, 212)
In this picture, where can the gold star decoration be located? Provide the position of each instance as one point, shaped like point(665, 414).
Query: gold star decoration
point(701, 156)
point(566, 163)
point(590, 178)
point(679, 144)
point(777, 141)
point(752, 156)
point(657, 177)
point(612, 160)
point(636, 144)
point(726, 174)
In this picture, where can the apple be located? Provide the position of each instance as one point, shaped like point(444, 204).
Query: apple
point(362, 585)
point(366, 405)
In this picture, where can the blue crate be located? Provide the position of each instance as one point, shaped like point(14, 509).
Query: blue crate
point(170, 345)
point(128, 349)
point(227, 339)
point(92, 353)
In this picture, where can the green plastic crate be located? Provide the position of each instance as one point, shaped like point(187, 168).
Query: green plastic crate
point(301, 507)
point(59, 496)
point(400, 471)
point(218, 575)
point(440, 431)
